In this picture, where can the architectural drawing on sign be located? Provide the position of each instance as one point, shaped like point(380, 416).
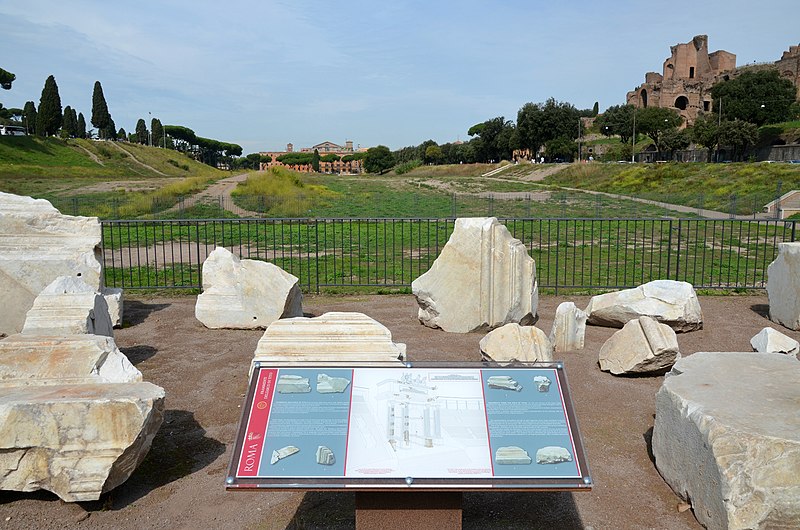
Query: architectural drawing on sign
point(427, 422)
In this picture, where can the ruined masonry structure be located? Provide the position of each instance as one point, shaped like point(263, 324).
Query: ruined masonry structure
point(690, 71)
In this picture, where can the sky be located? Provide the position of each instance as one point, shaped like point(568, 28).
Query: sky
point(265, 73)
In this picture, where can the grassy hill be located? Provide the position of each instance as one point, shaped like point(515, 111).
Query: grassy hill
point(107, 178)
point(714, 186)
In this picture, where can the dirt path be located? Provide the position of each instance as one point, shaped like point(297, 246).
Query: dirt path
point(91, 155)
point(151, 168)
point(204, 372)
point(221, 188)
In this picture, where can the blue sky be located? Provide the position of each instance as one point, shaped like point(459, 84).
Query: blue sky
point(264, 73)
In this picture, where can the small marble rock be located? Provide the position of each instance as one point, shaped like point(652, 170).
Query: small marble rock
point(569, 328)
point(513, 342)
point(512, 455)
point(329, 385)
point(552, 455)
point(769, 340)
point(641, 346)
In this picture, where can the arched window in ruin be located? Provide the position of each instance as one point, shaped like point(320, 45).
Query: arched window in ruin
point(682, 102)
point(643, 95)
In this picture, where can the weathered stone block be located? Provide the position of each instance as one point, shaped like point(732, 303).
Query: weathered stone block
point(68, 306)
point(483, 279)
point(727, 438)
point(332, 337)
point(783, 286)
point(670, 302)
point(246, 294)
point(514, 342)
point(769, 340)
point(569, 328)
point(641, 346)
point(37, 245)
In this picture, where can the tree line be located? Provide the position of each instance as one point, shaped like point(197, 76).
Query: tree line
point(50, 119)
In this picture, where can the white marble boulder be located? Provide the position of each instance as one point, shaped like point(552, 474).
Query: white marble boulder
point(332, 337)
point(68, 306)
point(482, 279)
point(37, 245)
point(75, 418)
point(670, 302)
point(245, 294)
point(642, 346)
point(115, 300)
point(513, 342)
point(569, 328)
point(727, 438)
point(769, 340)
point(783, 286)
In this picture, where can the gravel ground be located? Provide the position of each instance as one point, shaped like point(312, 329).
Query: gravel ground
point(204, 372)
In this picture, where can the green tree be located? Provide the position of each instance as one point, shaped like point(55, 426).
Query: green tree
point(101, 118)
point(757, 97)
point(141, 132)
point(655, 122)
point(69, 123)
point(124, 136)
point(617, 120)
point(596, 109)
point(378, 159)
point(48, 117)
point(705, 131)
point(253, 161)
point(29, 117)
point(157, 131)
point(433, 154)
point(739, 135)
point(496, 137)
point(81, 125)
point(110, 132)
point(538, 123)
point(6, 78)
point(315, 161)
point(561, 148)
point(675, 139)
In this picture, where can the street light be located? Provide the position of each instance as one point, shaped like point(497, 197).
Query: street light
point(633, 138)
point(150, 130)
point(579, 139)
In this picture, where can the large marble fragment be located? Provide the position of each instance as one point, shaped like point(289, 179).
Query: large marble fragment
point(325, 456)
point(727, 438)
point(569, 328)
point(245, 294)
point(482, 279)
point(331, 385)
point(503, 382)
point(511, 455)
point(292, 384)
point(783, 286)
point(75, 418)
point(283, 452)
point(114, 300)
point(33, 360)
point(668, 301)
point(68, 306)
point(641, 346)
point(513, 342)
point(37, 245)
point(769, 340)
point(334, 337)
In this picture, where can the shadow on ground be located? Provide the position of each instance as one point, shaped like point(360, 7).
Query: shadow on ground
point(135, 312)
point(180, 448)
point(137, 354)
point(761, 309)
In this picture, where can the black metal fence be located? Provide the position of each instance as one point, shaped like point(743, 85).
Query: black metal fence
point(391, 253)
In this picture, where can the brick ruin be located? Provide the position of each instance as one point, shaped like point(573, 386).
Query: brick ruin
point(691, 71)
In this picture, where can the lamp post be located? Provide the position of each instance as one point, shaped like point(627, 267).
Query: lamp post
point(633, 137)
point(579, 139)
point(150, 130)
point(719, 125)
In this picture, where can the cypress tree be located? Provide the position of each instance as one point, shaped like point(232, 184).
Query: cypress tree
point(110, 131)
point(69, 124)
point(596, 108)
point(157, 131)
point(48, 119)
point(29, 117)
point(101, 118)
point(121, 134)
point(141, 132)
point(315, 161)
point(81, 126)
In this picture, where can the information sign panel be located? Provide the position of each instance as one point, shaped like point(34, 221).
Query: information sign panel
point(453, 426)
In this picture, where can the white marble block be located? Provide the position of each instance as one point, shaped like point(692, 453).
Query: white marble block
point(37, 245)
point(333, 337)
point(783, 286)
point(569, 328)
point(668, 301)
point(641, 346)
point(483, 279)
point(513, 342)
point(769, 340)
point(68, 306)
point(727, 438)
point(115, 301)
point(245, 294)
